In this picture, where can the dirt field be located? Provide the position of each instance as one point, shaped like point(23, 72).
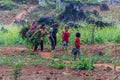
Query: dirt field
point(43, 72)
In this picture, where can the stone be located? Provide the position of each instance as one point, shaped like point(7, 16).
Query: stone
point(46, 20)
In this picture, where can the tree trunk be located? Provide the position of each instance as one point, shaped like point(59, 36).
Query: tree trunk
point(93, 35)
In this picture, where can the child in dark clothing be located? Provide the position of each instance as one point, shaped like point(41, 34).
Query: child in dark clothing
point(40, 40)
point(76, 50)
point(53, 37)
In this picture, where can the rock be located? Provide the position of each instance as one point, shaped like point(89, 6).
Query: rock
point(95, 12)
point(98, 23)
point(72, 12)
point(72, 24)
point(46, 20)
point(104, 7)
point(108, 69)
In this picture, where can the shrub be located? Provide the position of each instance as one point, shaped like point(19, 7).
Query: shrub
point(57, 64)
point(8, 5)
point(82, 64)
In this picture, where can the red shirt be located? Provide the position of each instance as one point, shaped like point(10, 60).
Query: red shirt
point(77, 42)
point(65, 36)
point(32, 28)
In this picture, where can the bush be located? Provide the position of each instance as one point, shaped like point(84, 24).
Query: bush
point(11, 37)
point(117, 39)
point(57, 64)
point(8, 5)
point(82, 64)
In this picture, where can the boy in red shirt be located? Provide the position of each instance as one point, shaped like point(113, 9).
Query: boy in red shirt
point(76, 50)
point(65, 37)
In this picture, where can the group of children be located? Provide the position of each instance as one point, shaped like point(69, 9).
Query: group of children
point(53, 37)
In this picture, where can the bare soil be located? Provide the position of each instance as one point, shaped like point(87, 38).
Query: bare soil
point(43, 72)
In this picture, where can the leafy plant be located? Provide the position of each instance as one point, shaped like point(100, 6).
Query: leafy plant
point(17, 69)
point(57, 64)
point(82, 64)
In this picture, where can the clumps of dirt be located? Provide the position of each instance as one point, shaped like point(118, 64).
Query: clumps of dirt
point(5, 73)
point(6, 17)
point(95, 49)
point(101, 49)
point(47, 73)
point(45, 54)
point(11, 50)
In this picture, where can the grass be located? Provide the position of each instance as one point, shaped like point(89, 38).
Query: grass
point(11, 36)
point(27, 59)
point(8, 5)
point(106, 34)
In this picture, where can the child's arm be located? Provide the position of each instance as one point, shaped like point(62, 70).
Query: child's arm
point(69, 34)
point(62, 34)
point(35, 33)
point(51, 36)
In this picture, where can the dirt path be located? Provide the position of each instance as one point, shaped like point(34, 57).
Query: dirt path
point(113, 49)
point(22, 15)
point(43, 72)
point(45, 54)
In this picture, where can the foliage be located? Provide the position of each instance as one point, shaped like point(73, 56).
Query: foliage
point(11, 37)
point(57, 64)
point(8, 5)
point(102, 35)
point(82, 64)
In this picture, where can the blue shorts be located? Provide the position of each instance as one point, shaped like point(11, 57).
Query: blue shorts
point(65, 44)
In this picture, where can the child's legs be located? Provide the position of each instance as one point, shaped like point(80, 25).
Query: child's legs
point(75, 56)
point(42, 45)
point(78, 53)
point(65, 44)
point(35, 45)
point(55, 43)
point(52, 44)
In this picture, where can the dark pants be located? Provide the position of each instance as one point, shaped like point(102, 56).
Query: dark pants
point(37, 43)
point(53, 43)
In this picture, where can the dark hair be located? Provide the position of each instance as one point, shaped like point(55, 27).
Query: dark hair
point(42, 26)
point(67, 27)
point(78, 34)
point(34, 22)
point(55, 25)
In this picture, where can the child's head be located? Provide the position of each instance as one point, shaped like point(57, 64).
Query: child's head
point(66, 28)
point(43, 26)
point(55, 26)
point(35, 23)
point(78, 34)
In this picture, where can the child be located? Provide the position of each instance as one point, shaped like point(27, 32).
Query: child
point(76, 50)
point(33, 27)
point(40, 40)
point(53, 38)
point(65, 37)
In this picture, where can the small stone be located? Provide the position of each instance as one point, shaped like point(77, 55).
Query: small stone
point(107, 69)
